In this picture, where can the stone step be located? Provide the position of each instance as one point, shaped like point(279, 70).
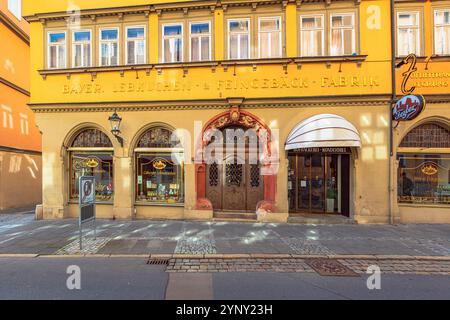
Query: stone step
point(235, 216)
point(311, 218)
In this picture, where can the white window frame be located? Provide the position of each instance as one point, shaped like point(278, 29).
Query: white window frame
point(418, 27)
point(100, 42)
point(202, 35)
point(83, 43)
point(436, 11)
point(49, 44)
point(280, 31)
point(249, 33)
point(322, 29)
point(135, 40)
point(17, 14)
point(164, 37)
point(353, 28)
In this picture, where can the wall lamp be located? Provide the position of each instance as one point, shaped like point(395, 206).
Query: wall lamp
point(115, 121)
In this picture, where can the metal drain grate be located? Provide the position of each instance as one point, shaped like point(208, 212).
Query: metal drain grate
point(330, 268)
point(160, 262)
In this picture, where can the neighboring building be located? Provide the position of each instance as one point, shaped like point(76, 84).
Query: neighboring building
point(20, 140)
point(312, 78)
point(422, 146)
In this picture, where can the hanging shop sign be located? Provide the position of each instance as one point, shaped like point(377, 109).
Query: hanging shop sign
point(408, 107)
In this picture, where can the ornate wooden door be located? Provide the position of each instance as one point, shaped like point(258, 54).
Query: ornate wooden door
point(233, 192)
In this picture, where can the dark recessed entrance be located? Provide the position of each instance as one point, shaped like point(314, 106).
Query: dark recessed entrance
point(319, 182)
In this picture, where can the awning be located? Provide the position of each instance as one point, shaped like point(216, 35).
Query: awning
point(323, 130)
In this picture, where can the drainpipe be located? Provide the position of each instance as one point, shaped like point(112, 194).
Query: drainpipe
point(393, 99)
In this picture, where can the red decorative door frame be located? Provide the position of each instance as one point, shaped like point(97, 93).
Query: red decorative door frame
point(244, 119)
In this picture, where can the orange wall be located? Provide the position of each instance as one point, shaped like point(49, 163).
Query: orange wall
point(17, 126)
point(20, 23)
point(14, 58)
point(14, 135)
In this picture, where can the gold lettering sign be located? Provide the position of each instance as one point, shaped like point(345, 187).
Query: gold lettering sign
point(159, 165)
point(92, 163)
point(429, 169)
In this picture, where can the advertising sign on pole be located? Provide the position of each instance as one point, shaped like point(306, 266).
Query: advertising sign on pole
point(86, 204)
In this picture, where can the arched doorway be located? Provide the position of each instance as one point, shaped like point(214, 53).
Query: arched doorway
point(235, 175)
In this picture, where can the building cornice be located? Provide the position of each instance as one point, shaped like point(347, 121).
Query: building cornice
point(183, 6)
point(14, 87)
point(224, 64)
point(14, 28)
point(250, 103)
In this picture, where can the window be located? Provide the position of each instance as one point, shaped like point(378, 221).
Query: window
point(109, 47)
point(91, 154)
point(424, 178)
point(442, 32)
point(239, 39)
point(311, 36)
point(81, 49)
point(200, 41)
point(136, 53)
point(269, 37)
point(56, 50)
point(15, 7)
point(172, 43)
point(159, 175)
point(342, 34)
point(408, 33)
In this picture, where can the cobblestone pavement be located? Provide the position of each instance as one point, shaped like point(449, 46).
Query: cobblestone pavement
point(293, 265)
point(20, 234)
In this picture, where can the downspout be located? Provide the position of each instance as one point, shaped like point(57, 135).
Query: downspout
point(391, 105)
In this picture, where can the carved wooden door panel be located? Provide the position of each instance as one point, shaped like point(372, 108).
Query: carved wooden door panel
point(214, 181)
point(254, 187)
point(234, 193)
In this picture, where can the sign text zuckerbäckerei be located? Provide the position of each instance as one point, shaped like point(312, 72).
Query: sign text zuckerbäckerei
point(224, 85)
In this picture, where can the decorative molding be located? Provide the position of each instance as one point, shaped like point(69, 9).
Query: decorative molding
point(9, 23)
point(14, 87)
point(249, 103)
point(225, 64)
point(183, 6)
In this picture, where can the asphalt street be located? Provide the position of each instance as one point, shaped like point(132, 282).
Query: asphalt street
point(131, 278)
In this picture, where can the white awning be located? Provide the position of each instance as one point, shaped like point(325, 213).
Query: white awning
point(323, 130)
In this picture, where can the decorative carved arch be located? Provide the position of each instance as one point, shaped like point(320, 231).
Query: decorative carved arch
point(247, 120)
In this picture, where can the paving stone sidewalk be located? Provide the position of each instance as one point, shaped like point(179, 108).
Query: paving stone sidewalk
point(21, 234)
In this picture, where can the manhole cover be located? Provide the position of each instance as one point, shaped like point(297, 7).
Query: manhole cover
point(330, 268)
point(160, 262)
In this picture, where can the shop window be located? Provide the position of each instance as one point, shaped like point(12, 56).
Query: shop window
point(312, 35)
point(81, 49)
point(269, 37)
point(109, 47)
point(57, 50)
point(200, 33)
point(442, 32)
point(135, 45)
point(408, 33)
point(424, 178)
point(159, 168)
point(172, 43)
point(342, 34)
point(91, 154)
point(239, 39)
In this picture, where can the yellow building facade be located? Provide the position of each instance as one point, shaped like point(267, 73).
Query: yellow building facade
point(309, 81)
